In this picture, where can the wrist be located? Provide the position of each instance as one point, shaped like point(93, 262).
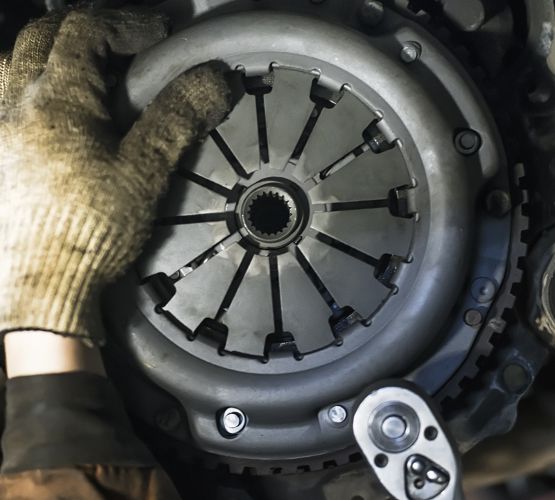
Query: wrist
point(43, 353)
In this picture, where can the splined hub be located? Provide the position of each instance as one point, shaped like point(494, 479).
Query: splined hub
point(268, 214)
point(324, 237)
point(271, 214)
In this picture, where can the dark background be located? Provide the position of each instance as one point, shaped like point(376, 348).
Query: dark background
point(13, 16)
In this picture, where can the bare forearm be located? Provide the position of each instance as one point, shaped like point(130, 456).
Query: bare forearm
point(61, 409)
point(35, 352)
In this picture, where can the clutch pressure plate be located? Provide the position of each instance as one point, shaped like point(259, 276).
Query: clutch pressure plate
point(351, 221)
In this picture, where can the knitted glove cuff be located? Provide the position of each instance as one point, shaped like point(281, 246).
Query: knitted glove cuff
point(50, 277)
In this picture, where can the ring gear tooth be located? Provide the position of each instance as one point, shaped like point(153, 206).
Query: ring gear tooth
point(496, 323)
point(457, 390)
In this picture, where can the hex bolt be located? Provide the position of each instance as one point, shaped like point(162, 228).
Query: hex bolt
point(232, 422)
point(337, 414)
point(468, 142)
point(498, 203)
point(371, 13)
point(411, 52)
point(473, 317)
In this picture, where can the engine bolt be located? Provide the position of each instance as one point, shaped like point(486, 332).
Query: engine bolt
point(498, 203)
point(483, 290)
point(473, 317)
point(337, 414)
point(232, 422)
point(468, 142)
point(371, 13)
point(411, 52)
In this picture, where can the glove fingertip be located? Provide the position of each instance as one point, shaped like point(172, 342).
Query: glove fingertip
point(212, 92)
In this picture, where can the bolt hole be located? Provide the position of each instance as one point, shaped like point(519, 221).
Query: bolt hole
point(430, 433)
point(381, 460)
point(419, 484)
point(467, 142)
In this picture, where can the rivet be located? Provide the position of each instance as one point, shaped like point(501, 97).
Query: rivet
point(411, 52)
point(337, 414)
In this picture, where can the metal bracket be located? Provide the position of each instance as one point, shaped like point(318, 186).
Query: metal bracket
point(406, 443)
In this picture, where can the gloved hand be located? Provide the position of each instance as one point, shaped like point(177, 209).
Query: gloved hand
point(77, 199)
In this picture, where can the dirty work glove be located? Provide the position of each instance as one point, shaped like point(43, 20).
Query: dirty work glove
point(77, 198)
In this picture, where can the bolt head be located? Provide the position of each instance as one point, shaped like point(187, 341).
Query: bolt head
point(232, 421)
point(468, 142)
point(371, 13)
point(473, 317)
point(337, 414)
point(411, 52)
point(498, 203)
point(483, 290)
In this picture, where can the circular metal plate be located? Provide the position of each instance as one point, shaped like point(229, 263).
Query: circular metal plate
point(346, 147)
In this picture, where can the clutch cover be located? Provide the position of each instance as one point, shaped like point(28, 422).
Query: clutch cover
point(331, 233)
